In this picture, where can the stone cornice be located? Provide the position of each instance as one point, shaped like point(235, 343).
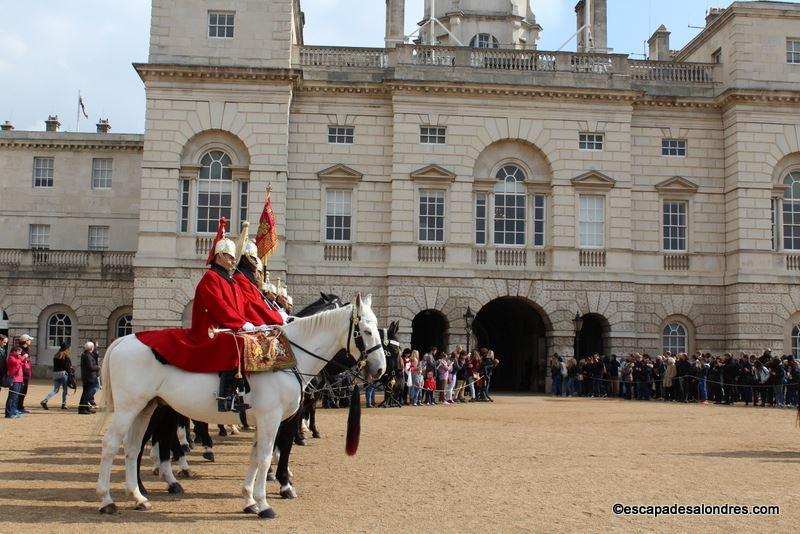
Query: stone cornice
point(414, 86)
point(258, 75)
point(734, 96)
point(72, 144)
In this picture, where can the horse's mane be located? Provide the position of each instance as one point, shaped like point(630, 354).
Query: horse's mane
point(326, 320)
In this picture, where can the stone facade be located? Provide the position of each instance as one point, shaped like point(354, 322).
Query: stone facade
point(708, 132)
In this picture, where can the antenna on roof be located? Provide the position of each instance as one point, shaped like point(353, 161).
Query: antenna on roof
point(432, 22)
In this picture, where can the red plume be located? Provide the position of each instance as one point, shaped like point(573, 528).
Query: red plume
point(223, 222)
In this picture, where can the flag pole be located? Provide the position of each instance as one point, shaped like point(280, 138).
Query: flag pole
point(78, 115)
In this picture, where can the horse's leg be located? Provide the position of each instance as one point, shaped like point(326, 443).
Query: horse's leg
point(250, 506)
point(133, 441)
point(266, 428)
point(169, 447)
point(276, 456)
point(312, 417)
point(155, 454)
point(284, 443)
point(201, 433)
point(120, 423)
point(147, 435)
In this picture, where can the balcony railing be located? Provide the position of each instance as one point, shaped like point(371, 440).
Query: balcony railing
point(511, 257)
point(361, 58)
point(431, 253)
point(592, 258)
point(338, 253)
point(67, 261)
point(676, 262)
point(670, 71)
point(793, 262)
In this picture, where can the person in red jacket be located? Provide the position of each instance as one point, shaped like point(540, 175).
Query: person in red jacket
point(14, 370)
point(249, 280)
point(218, 305)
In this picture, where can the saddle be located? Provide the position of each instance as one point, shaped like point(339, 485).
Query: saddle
point(267, 352)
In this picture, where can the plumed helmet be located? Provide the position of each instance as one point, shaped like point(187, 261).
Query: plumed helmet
point(282, 292)
point(289, 301)
point(251, 251)
point(225, 246)
point(270, 288)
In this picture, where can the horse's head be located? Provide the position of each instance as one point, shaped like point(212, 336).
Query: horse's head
point(324, 303)
point(372, 344)
point(392, 347)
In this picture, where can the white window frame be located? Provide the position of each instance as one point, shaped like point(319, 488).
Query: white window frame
point(123, 325)
point(440, 196)
point(228, 24)
point(346, 205)
point(39, 236)
point(481, 196)
point(98, 238)
point(433, 135)
point(215, 187)
point(484, 40)
point(588, 217)
point(796, 340)
point(539, 213)
point(503, 168)
point(591, 142)
point(667, 338)
point(674, 148)
point(185, 204)
point(671, 227)
point(790, 210)
point(793, 50)
point(59, 329)
point(43, 172)
point(341, 135)
point(102, 173)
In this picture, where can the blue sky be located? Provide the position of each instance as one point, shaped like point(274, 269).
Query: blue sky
point(55, 47)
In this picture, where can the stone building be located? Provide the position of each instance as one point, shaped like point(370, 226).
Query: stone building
point(657, 201)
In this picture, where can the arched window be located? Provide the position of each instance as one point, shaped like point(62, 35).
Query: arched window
point(214, 191)
point(791, 212)
point(59, 330)
point(796, 341)
point(675, 338)
point(484, 40)
point(509, 206)
point(124, 326)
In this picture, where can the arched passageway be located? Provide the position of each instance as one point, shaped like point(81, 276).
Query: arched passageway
point(592, 337)
point(517, 332)
point(429, 329)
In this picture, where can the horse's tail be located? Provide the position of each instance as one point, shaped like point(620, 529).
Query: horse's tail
point(105, 376)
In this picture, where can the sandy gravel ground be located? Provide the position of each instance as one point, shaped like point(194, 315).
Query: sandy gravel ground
point(522, 464)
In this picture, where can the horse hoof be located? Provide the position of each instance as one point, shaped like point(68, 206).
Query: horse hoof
point(271, 477)
point(288, 493)
point(209, 456)
point(269, 513)
point(316, 435)
point(300, 442)
point(175, 487)
point(143, 506)
point(252, 509)
point(185, 473)
point(109, 509)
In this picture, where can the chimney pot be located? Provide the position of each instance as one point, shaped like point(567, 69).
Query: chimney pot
point(659, 45)
point(6, 126)
point(52, 124)
point(713, 14)
point(103, 126)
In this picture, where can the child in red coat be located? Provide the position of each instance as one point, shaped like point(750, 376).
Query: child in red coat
point(429, 387)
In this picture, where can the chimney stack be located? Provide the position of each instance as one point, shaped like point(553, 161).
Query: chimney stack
point(6, 126)
point(103, 126)
point(395, 22)
point(597, 26)
point(659, 45)
point(52, 124)
point(713, 14)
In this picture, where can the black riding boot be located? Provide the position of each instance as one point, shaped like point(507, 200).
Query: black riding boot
point(229, 399)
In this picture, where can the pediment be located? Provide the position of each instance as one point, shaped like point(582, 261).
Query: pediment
point(340, 173)
point(433, 173)
point(594, 180)
point(676, 184)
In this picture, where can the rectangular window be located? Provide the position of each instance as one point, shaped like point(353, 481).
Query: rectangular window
point(244, 188)
point(591, 220)
point(185, 205)
point(588, 141)
point(775, 223)
point(43, 172)
point(538, 220)
point(791, 224)
point(716, 57)
point(675, 148)
point(480, 219)
point(793, 51)
point(431, 216)
point(39, 236)
point(338, 215)
point(220, 24)
point(341, 135)
point(429, 135)
point(101, 173)
point(98, 237)
point(675, 226)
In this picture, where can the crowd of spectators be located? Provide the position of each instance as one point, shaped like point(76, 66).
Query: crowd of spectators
point(439, 378)
point(766, 380)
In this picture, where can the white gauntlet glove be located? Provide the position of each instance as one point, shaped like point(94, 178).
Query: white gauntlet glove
point(248, 327)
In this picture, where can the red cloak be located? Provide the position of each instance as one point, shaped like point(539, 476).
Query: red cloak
point(218, 303)
point(255, 308)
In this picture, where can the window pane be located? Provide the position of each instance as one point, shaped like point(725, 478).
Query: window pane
point(431, 216)
point(338, 214)
point(214, 191)
point(510, 206)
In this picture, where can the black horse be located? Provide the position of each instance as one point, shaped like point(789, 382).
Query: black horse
point(165, 422)
point(394, 380)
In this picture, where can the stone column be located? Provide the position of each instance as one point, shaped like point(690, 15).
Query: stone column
point(395, 22)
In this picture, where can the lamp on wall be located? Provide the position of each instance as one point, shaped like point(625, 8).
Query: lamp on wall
point(577, 322)
point(468, 318)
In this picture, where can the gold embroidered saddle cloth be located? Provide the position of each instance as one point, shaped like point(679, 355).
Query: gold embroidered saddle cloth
point(267, 351)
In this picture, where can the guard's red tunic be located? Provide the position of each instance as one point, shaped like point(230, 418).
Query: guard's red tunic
point(255, 308)
point(218, 303)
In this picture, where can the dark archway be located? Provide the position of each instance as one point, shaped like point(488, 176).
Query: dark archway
point(592, 337)
point(3, 322)
point(429, 329)
point(516, 330)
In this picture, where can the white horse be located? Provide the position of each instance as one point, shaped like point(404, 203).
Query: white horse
point(134, 381)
